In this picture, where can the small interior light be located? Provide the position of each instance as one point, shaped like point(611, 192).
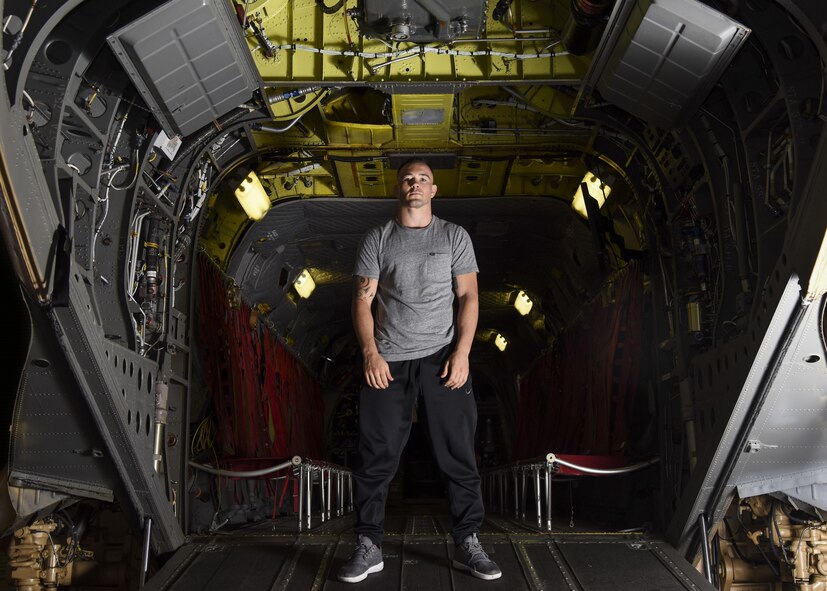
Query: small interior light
point(597, 189)
point(523, 303)
point(304, 284)
point(252, 197)
point(500, 342)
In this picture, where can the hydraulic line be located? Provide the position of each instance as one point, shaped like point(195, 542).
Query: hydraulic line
point(161, 413)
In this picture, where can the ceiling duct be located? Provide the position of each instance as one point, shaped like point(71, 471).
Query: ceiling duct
point(421, 21)
point(188, 61)
point(661, 58)
point(585, 25)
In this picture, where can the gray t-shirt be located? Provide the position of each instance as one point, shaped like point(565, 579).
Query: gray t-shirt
point(415, 267)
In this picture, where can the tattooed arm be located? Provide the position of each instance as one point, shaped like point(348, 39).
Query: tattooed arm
point(377, 372)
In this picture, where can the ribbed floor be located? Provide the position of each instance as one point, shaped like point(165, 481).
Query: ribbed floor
point(417, 555)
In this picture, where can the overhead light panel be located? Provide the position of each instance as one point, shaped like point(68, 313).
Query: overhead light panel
point(500, 342)
point(597, 189)
point(523, 303)
point(252, 197)
point(304, 284)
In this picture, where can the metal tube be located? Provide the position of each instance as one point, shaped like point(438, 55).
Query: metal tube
point(537, 496)
point(350, 491)
point(161, 412)
point(309, 494)
point(322, 498)
point(553, 459)
point(516, 495)
point(338, 493)
point(341, 493)
point(145, 550)
point(522, 493)
point(329, 476)
point(242, 473)
point(301, 496)
point(548, 497)
point(377, 67)
point(707, 561)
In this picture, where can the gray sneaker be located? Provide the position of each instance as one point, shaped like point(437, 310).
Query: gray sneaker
point(470, 556)
point(365, 560)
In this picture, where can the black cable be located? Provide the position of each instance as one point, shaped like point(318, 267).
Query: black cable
point(778, 533)
point(772, 542)
point(500, 9)
point(737, 549)
point(772, 566)
point(329, 9)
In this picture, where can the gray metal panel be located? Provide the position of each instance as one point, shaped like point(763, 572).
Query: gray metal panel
point(54, 443)
point(188, 61)
point(789, 439)
point(623, 565)
point(417, 554)
point(814, 495)
point(709, 486)
point(667, 58)
point(103, 375)
point(28, 217)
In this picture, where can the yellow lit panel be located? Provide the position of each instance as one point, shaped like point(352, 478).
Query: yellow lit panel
point(523, 303)
point(597, 189)
point(424, 118)
point(304, 284)
point(500, 342)
point(252, 197)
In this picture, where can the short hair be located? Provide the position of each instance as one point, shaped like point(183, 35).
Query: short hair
point(413, 160)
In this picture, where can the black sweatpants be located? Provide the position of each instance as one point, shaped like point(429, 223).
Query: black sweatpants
point(384, 425)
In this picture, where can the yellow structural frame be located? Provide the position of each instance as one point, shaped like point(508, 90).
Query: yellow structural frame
point(311, 46)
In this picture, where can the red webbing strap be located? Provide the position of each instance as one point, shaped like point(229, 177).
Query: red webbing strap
point(248, 373)
point(212, 336)
point(287, 480)
point(271, 397)
point(267, 403)
point(576, 397)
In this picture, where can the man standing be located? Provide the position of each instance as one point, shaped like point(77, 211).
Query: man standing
point(414, 265)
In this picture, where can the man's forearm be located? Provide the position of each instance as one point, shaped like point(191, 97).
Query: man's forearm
point(467, 316)
point(363, 324)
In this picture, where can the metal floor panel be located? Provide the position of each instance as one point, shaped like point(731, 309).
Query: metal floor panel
point(417, 553)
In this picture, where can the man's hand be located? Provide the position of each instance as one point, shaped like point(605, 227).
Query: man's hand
point(377, 371)
point(456, 370)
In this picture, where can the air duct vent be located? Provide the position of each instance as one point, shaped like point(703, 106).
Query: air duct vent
point(662, 59)
point(189, 62)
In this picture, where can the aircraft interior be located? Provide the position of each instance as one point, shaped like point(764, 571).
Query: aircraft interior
point(185, 184)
